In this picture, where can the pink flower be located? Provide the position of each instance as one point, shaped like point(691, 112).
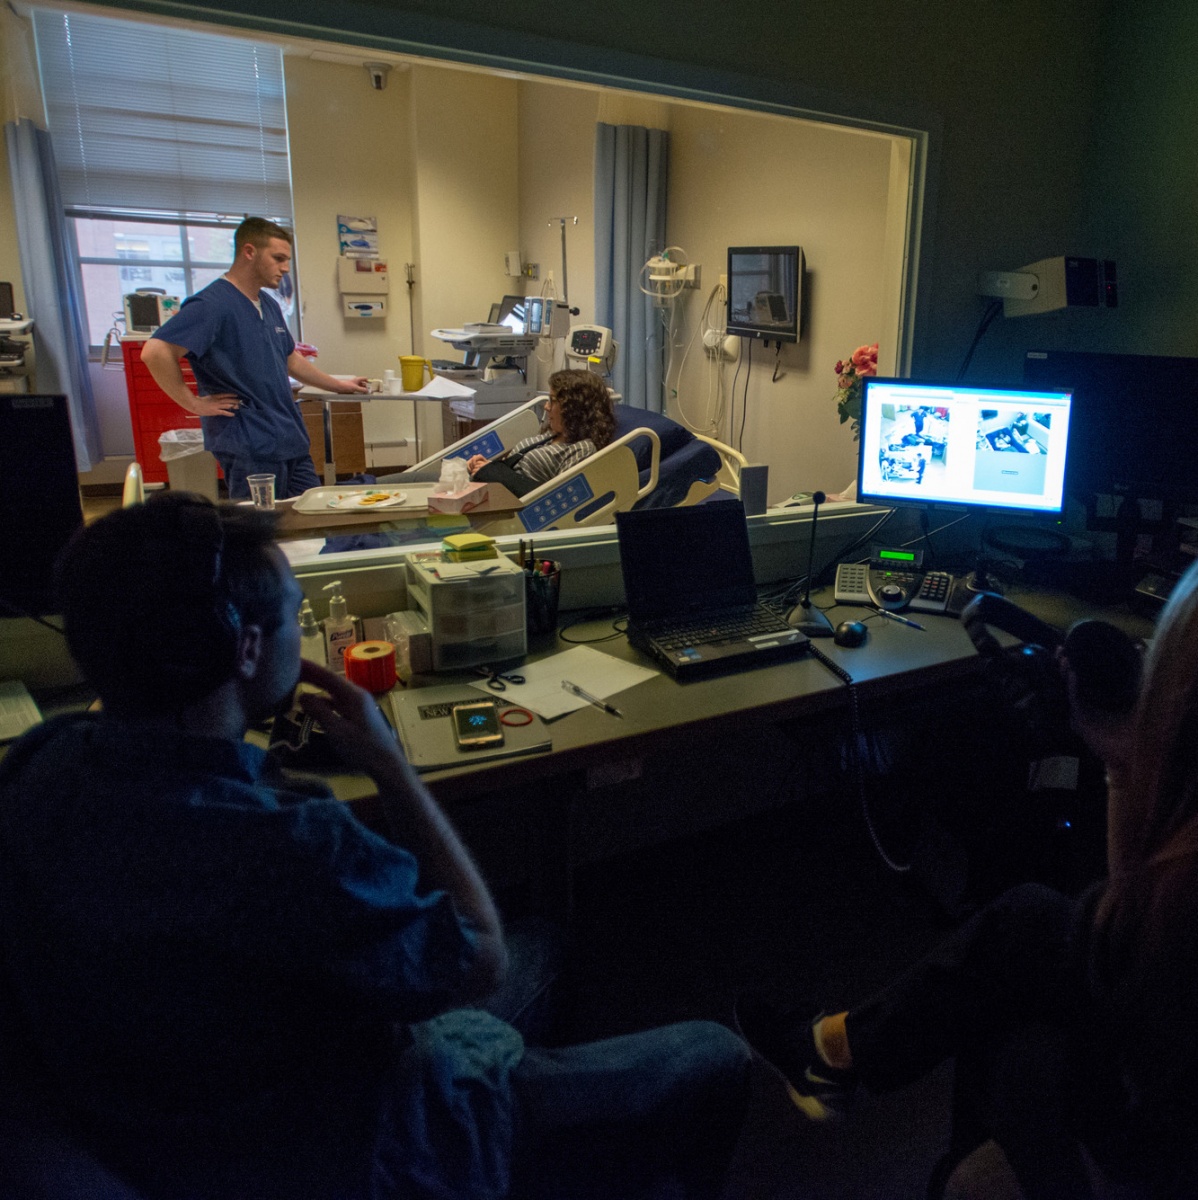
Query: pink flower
point(865, 359)
point(845, 381)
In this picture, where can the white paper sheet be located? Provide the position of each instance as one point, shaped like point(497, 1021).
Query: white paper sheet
point(595, 672)
point(440, 388)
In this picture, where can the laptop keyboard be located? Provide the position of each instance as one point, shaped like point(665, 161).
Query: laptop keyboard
point(733, 627)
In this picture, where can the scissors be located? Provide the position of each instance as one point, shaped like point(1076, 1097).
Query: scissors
point(497, 681)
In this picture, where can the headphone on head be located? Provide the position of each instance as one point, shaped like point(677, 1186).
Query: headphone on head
point(1104, 660)
point(190, 624)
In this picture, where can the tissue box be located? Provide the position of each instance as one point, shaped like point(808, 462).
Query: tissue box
point(471, 496)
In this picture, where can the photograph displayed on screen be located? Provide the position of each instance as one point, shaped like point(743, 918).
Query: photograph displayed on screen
point(959, 444)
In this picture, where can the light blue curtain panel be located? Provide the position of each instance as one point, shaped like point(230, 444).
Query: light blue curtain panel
point(53, 287)
point(631, 176)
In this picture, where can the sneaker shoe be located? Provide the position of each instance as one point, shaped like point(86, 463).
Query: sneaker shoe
point(786, 1043)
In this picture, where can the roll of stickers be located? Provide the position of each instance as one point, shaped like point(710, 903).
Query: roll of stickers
point(371, 665)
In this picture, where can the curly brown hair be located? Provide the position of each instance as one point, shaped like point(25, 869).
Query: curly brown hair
point(586, 406)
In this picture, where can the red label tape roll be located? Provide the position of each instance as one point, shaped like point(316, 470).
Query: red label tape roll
point(371, 665)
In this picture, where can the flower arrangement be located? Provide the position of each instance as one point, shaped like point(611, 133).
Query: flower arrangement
point(849, 374)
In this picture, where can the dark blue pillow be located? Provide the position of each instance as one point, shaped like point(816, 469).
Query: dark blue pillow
point(672, 435)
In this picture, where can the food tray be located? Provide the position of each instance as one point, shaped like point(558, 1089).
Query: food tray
point(326, 500)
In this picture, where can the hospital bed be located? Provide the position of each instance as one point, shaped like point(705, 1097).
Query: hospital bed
point(653, 462)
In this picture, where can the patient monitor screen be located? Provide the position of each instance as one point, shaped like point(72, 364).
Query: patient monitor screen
point(960, 444)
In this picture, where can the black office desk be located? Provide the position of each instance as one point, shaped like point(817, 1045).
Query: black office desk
point(662, 713)
point(538, 816)
point(532, 821)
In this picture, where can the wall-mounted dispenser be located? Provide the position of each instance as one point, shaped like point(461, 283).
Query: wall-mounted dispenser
point(364, 285)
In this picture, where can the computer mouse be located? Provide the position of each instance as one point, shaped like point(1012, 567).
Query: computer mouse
point(849, 633)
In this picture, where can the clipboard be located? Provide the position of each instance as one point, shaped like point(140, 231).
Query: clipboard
point(421, 717)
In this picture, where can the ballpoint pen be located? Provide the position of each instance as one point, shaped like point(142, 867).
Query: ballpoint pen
point(575, 690)
point(895, 617)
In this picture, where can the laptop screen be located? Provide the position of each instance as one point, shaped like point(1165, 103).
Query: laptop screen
point(680, 562)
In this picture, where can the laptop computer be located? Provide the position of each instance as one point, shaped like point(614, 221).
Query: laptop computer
point(692, 599)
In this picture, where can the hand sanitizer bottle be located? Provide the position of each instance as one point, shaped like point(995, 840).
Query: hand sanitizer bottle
point(339, 628)
point(312, 645)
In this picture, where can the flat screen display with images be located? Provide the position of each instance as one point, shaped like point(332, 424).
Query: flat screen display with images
point(963, 445)
point(763, 292)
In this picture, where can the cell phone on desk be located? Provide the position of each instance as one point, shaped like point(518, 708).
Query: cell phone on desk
point(476, 725)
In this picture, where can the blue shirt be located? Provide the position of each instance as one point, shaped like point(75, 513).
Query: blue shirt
point(211, 966)
point(233, 349)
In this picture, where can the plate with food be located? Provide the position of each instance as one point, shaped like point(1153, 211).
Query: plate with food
point(370, 499)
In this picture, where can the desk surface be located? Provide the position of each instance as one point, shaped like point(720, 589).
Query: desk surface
point(662, 713)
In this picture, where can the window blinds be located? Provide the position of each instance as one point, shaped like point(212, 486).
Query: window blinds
point(149, 119)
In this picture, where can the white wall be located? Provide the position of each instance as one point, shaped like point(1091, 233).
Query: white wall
point(466, 204)
point(752, 180)
point(557, 179)
point(350, 154)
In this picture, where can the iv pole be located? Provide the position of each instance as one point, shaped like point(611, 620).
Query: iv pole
point(565, 277)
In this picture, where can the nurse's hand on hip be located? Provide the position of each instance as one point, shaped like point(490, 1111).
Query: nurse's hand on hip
point(222, 404)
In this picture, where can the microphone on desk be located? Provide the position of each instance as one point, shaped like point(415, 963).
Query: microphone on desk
point(805, 617)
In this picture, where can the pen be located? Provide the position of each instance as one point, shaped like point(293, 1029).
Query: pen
point(901, 620)
point(575, 690)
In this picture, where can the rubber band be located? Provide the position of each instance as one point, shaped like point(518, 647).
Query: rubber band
point(507, 712)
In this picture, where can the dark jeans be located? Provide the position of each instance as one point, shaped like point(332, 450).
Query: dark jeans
point(1007, 990)
point(640, 1117)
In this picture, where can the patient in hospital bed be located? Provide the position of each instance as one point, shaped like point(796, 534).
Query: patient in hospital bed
point(578, 421)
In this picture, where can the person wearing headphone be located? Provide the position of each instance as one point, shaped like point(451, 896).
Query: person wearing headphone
point(1085, 1009)
point(230, 987)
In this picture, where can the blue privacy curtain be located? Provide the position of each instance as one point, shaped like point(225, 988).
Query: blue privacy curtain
point(53, 288)
point(630, 225)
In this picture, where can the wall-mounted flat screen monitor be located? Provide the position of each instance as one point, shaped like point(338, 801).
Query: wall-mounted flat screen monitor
point(764, 288)
point(964, 445)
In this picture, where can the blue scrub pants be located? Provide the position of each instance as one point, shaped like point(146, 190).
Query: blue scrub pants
point(293, 476)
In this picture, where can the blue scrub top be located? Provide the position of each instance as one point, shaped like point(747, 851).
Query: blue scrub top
point(233, 349)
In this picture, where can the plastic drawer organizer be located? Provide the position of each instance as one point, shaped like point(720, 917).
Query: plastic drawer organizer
point(474, 611)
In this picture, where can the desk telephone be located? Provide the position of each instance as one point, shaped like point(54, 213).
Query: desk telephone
point(893, 579)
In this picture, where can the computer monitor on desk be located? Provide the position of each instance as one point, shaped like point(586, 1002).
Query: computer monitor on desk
point(1134, 436)
point(963, 446)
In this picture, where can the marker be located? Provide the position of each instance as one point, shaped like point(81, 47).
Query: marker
point(901, 620)
point(575, 690)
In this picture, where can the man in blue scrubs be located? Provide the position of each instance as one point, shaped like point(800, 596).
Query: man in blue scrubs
point(242, 353)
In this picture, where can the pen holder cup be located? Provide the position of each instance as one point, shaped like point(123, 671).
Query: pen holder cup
point(540, 600)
